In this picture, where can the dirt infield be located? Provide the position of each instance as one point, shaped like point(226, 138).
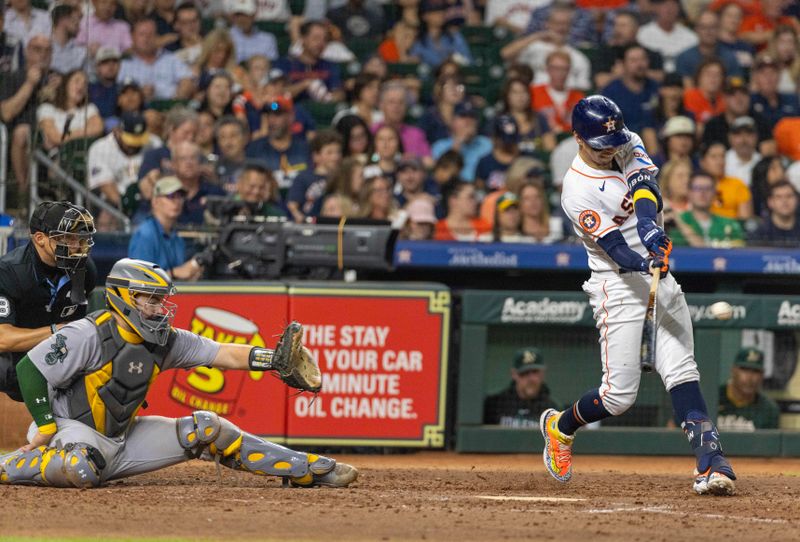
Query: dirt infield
point(428, 495)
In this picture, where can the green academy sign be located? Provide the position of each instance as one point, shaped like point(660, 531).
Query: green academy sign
point(572, 308)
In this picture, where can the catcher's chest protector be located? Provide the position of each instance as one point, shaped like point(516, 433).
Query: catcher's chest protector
point(107, 399)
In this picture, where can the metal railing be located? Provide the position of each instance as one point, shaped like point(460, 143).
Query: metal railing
point(82, 192)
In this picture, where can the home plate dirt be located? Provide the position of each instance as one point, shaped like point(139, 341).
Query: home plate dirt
point(426, 495)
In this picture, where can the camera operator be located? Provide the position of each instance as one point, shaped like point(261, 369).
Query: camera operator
point(256, 195)
point(156, 240)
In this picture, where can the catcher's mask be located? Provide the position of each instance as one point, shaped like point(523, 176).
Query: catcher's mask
point(138, 291)
point(71, 227)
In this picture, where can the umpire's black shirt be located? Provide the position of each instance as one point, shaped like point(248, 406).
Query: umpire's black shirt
point(34, 295)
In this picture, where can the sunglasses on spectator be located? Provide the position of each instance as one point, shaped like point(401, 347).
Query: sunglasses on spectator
point(180, 194)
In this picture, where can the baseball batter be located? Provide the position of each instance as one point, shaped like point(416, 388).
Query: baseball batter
point(612, 198)
point(85, 384)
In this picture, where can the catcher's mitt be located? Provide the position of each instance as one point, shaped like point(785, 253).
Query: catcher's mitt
point(294, 362)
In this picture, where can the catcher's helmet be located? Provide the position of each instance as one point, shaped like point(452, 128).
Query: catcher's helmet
point(71, 227)
point(598, 121)
point(138, 290)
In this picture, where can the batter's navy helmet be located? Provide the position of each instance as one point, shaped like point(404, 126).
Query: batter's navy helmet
point(598, 121)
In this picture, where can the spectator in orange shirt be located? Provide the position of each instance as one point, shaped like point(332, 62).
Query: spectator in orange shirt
point(462, 222)
point(734, 199)
point(396, 46)
point(758, 28)
point(705, 100)
point(554, 100)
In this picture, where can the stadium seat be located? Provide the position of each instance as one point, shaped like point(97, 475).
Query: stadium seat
point(73, 156)
point(364, 48)
point(273, 27)
point(323, 113)
point(401, 69)
point(165, 105)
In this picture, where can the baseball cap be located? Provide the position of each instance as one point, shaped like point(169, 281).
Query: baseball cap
point(275, 74)
point(466, 109)
point(764, 61)
point(167, 185)
point(679, 125)
point(280, 104)
point(750, 358)
point(247, 7)
point(426, 6)
point(409, 162)
point(134, 130)
point(505, 128)
point(421, 210)
point(107, 53)
point(743, 123)
point(508, 199)
point(734, 84)
point(672, 80)
point(372, 171)
point(528, 359)
point(127, 84)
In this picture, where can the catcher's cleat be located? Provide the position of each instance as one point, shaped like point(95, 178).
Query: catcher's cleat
point(342, 475)
point(557, 453)
point(718, 479)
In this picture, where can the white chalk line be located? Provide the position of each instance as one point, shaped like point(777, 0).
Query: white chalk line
point(528, 498)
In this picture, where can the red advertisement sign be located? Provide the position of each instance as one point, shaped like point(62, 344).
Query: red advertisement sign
point(383, 359)
point(383, 356)
point(255, 401)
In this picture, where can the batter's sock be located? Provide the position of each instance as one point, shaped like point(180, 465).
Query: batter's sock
point(587, 409)
point(687, 398)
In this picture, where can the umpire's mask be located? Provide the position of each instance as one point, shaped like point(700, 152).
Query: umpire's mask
point(138, 291)
point(71, 227)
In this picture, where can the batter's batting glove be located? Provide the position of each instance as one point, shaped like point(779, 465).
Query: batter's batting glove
point(660, 258)
point(294, 362)
point(652, 235)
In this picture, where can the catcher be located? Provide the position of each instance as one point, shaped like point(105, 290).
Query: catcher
point(85, 384)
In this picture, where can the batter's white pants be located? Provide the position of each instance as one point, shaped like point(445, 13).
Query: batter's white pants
point(619, 302)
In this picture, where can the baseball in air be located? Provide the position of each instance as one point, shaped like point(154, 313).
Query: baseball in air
point(721, 310)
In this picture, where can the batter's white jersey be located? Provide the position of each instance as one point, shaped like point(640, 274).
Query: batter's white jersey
point(598, 201)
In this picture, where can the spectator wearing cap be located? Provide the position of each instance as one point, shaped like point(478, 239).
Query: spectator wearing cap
point(100, 29)
point(491, 169)
point(310, 76)
point(781, 228)
point(507, 223)
point(411, 182)
point(534, 48)
point(23, 21)
point(448, 92)
point(733, 198)
point(708, 46)
point(742, 155)
point(113, 163)
point(103, 90)
point(665, 33)
point(636, 94)
point(394, 104)
point(189, 44)
point(555, 100)
point(766, 100)
point(737, 104)
point(70, 116)
point(465, 139)
point(520, 405)
point(309, 185)
point(534, 131)
point(247, 39)
point(358, 19)
point(461, 222)
point(68, 55)
point(156, 239)
point(231, 136)
point(285, 153)
point(437, 42)
point(700, 226)
point(607, 64)
point(421, 220)
point(161, 74)
point(742, 403)
point(678, 138)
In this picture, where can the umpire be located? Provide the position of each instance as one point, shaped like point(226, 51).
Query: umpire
point(44, 284)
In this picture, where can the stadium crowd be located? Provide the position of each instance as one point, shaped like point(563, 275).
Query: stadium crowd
point(454, 112)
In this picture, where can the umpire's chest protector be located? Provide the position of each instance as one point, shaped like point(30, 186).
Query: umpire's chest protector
point(108, 399)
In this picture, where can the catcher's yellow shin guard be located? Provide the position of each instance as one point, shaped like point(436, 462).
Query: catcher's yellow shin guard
point(76, 465)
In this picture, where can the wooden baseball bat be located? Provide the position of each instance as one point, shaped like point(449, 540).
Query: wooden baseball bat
point(648, 349)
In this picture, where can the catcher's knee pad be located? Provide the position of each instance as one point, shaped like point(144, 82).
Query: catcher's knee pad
point(206, 429)
point(77, 465)
point(263, 457)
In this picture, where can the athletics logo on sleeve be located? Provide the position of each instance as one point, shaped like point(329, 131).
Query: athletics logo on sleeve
point(58, 351)
point(589, 221)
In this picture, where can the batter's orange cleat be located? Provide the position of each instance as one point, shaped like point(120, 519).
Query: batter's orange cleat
point(557, 453)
